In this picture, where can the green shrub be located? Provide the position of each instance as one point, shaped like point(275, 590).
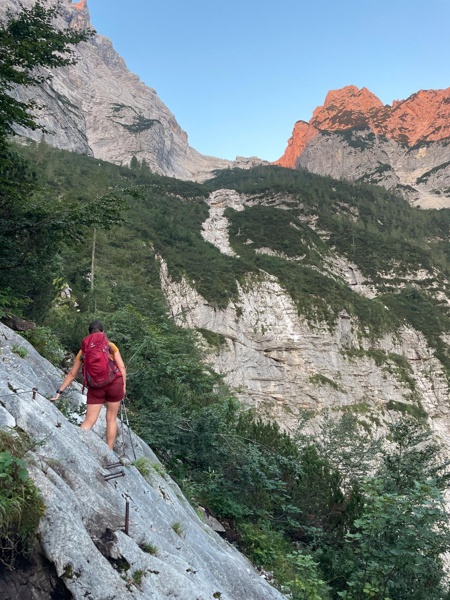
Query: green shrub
point(307, 583)
point(320, 379)
point(213, 339)
point(414, 410)
point(46, 343)
point(19, 350)
point(137, 577)
point(149, 548)
point(264, 546)
point(21, 507)
point(146, 467)
point(142, 464)
point(179, 528)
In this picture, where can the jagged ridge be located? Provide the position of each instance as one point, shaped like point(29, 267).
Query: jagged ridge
point(409, 139)
point(424, 116)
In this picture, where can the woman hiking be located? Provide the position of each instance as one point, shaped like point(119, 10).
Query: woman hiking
point(105, 376)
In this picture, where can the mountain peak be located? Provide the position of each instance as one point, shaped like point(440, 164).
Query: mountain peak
point(350, 98)
point(424, 116)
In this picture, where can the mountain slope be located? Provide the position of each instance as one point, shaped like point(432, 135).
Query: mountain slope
point(308, 295)
point(97, 107)
point(334, 308)
point(308, 292)
point(403, 146)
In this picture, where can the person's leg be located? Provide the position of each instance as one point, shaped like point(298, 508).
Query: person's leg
point(112, 408)
point(92, 412)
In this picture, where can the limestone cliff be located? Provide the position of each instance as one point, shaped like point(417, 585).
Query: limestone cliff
point(83, 550)
point(97, 107)
point(281, 364)
point(403, 146)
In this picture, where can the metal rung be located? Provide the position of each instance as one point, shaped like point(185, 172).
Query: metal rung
point(113, 465)
point(114, 475)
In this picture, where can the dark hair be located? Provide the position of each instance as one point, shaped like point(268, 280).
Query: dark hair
point(96, 327)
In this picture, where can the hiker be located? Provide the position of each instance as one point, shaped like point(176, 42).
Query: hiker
point(107, 387)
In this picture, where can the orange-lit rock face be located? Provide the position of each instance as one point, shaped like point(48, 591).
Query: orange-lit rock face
point(348, 106)
point(80, 5)
point(424, 116)
point(303, 132)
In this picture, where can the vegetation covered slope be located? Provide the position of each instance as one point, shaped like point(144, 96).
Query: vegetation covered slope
point(344, 515)
point(307, 221)
point(329, 524)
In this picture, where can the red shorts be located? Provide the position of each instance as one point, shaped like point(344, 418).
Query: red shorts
point(113, 392)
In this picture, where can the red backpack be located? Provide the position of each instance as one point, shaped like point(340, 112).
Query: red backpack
point(98, 368)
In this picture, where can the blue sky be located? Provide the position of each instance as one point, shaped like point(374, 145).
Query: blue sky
point(238, 74)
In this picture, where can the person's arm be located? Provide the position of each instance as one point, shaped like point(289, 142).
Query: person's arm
point(68, 379)
point(120, 365)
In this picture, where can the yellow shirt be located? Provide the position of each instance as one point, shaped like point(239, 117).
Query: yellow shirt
point(112, 347)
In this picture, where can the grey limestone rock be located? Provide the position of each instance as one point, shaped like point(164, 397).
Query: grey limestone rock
point(280, 364)
point(420, 173)
point(99, 108)
point(82, 539)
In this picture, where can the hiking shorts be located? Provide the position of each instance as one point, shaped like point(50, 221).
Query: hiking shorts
point(113, 392)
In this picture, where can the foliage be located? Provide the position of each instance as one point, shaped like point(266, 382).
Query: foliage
point(213, 339)
point(392, 363)
point(20, 505)
point(143, 465)
point(320, 379)
point(376, 230)
point(316, 498)
point(414, 456)
point(307, 583)
point(426, 315)
point(414, 410)
point(394, 546)
point(137, 577)
point(262, 544)
point(179, 528)
point(347, 447)
point(29, 43)
point(46, 343)
point(74, 414)
point(254, 227)
point(397, 544)
point(149, 548)
point(19, 350)
point(34, 224)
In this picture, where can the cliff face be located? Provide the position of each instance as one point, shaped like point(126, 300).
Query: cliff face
point(282, 365)
point(404, 146)
point(97, 107)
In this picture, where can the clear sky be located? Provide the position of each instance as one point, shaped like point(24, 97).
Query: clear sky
point(238, 74)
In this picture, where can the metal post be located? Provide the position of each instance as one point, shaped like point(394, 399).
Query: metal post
point(35, 390)
point(127, 516)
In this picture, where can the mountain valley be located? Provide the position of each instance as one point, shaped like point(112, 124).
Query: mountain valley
point(286, 333)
